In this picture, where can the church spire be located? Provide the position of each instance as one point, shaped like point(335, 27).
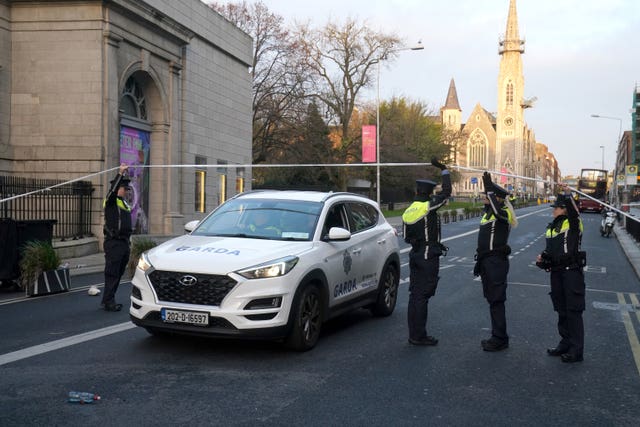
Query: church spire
point(452, 98)
point(512, 41)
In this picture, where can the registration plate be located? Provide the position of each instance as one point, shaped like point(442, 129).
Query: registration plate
point(181, 316)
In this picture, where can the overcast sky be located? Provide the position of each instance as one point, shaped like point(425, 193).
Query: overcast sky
point(581, 57)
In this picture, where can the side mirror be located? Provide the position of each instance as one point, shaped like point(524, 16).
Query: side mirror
point(191, 225)
point(338, 234)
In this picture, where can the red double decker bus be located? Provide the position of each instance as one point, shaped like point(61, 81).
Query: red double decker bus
point(592, 182)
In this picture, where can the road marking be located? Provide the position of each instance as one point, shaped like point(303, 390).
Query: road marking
point(631, 332)
point(41, 297)
point(64, 342)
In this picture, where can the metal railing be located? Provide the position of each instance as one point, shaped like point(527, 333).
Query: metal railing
point(69, 204)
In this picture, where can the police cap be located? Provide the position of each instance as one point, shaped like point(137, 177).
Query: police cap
point(425, 186)
point(124, 181)
point(499, 191)
point(559, 203)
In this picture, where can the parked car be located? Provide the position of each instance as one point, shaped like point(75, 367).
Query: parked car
point(270, 264)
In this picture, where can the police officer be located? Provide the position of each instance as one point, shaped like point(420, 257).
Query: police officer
point(564, 259)
point(421, 226)
point(492, 259)
point(117, 231)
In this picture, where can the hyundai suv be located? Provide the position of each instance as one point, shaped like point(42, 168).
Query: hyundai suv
point(270, 264)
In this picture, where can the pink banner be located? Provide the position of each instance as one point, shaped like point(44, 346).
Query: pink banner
point(503, 179)
point(368, 144)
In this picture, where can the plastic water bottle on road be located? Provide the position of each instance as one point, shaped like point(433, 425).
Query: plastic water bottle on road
point(82, 397)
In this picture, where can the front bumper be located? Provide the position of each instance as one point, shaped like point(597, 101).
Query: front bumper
point(230, 318)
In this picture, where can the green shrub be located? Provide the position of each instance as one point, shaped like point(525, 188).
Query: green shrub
point(138, 247)
point(37, 256)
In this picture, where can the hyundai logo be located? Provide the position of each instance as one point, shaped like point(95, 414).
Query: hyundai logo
point(188, 280)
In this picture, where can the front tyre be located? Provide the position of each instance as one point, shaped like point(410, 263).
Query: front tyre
point(306, 320)
point(387, 292)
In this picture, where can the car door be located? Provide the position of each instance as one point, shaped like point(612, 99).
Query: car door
point(371, 241)
point(341, 259)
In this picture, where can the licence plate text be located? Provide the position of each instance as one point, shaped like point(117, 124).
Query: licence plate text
point(190, 317)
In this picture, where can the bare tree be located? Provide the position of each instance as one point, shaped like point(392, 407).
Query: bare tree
point(279, 76)
point(342, 57)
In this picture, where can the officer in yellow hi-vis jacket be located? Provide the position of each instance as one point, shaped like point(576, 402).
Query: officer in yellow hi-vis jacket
point(492, 259)
point(564, 259)
point(117, 231)
point(422, 230)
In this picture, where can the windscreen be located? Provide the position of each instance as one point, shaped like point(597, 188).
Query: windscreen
point(263, 219)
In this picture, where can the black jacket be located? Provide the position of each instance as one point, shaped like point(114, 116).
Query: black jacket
point(117, 214)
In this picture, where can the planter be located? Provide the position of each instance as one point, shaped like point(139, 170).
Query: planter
point(49, 282)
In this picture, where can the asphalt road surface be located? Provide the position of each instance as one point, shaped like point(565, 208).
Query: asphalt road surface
point(362, 371)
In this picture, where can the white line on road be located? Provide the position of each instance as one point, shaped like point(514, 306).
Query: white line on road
point(64, 342)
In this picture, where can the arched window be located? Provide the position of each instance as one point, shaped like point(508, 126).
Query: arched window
point(509, 93)
point(477, 149)
point(132, 102)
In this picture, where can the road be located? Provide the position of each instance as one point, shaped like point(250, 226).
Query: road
point(362, 372)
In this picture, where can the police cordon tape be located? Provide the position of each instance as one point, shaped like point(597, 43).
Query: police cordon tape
point(265, 166)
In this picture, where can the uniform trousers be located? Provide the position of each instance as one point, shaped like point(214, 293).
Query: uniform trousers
point(116, 256)
point(423, 280)
point(493, 272)
point(568, 298)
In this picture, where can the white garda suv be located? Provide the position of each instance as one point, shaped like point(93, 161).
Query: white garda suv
point(270, 264)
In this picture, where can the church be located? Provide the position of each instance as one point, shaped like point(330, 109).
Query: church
point(500, 141)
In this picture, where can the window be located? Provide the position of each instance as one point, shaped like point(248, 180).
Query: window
point(240, 181)
point(132, 101)
point(362, 216)
point(477, 149)
point(222, 183)
point(200, 186)
point(509, 93)
point(335, 218)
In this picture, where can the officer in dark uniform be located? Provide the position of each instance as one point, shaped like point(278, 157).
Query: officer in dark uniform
point(564, 259)
point(422, 230)
point(117, 231)
point(492, 259)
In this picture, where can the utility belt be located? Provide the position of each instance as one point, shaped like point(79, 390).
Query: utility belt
point(421, 244)
point(501, 251)
point(562, 262)
point(111, 235)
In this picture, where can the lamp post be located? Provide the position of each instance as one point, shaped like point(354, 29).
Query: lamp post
point(418, 46)
point(615, 168)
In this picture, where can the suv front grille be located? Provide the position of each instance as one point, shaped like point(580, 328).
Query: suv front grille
point(208, 290)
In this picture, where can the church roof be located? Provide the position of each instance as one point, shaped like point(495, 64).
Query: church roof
point(452, 98)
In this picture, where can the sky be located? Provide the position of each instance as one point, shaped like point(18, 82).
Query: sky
point(582, 57)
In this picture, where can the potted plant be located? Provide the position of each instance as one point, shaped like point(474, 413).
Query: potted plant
point(139, 245)
point(40, 271)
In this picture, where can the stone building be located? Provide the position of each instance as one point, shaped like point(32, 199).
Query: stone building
point(499, 141)
point(88, 84)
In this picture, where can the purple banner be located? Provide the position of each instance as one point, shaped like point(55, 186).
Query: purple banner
point(134, 151)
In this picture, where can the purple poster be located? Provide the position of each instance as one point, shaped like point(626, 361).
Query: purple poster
point(134, 151)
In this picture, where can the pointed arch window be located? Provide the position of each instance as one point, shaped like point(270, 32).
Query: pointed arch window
point(477, 149)
point(509, 93)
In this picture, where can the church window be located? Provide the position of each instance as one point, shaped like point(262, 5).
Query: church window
point(477, 149)
point(509, 93)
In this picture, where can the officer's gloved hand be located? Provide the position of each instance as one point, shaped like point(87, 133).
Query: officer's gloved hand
point(436, 163)
point(486, 180)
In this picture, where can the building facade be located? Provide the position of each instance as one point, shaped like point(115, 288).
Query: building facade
point(87, 85)
point(502, 141)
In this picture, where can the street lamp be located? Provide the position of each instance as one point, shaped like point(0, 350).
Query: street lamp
point(602, 147)
point(418, 46)
point(615, 168)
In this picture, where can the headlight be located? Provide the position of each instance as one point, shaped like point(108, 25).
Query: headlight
point(278, 267)
point(143, 263)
